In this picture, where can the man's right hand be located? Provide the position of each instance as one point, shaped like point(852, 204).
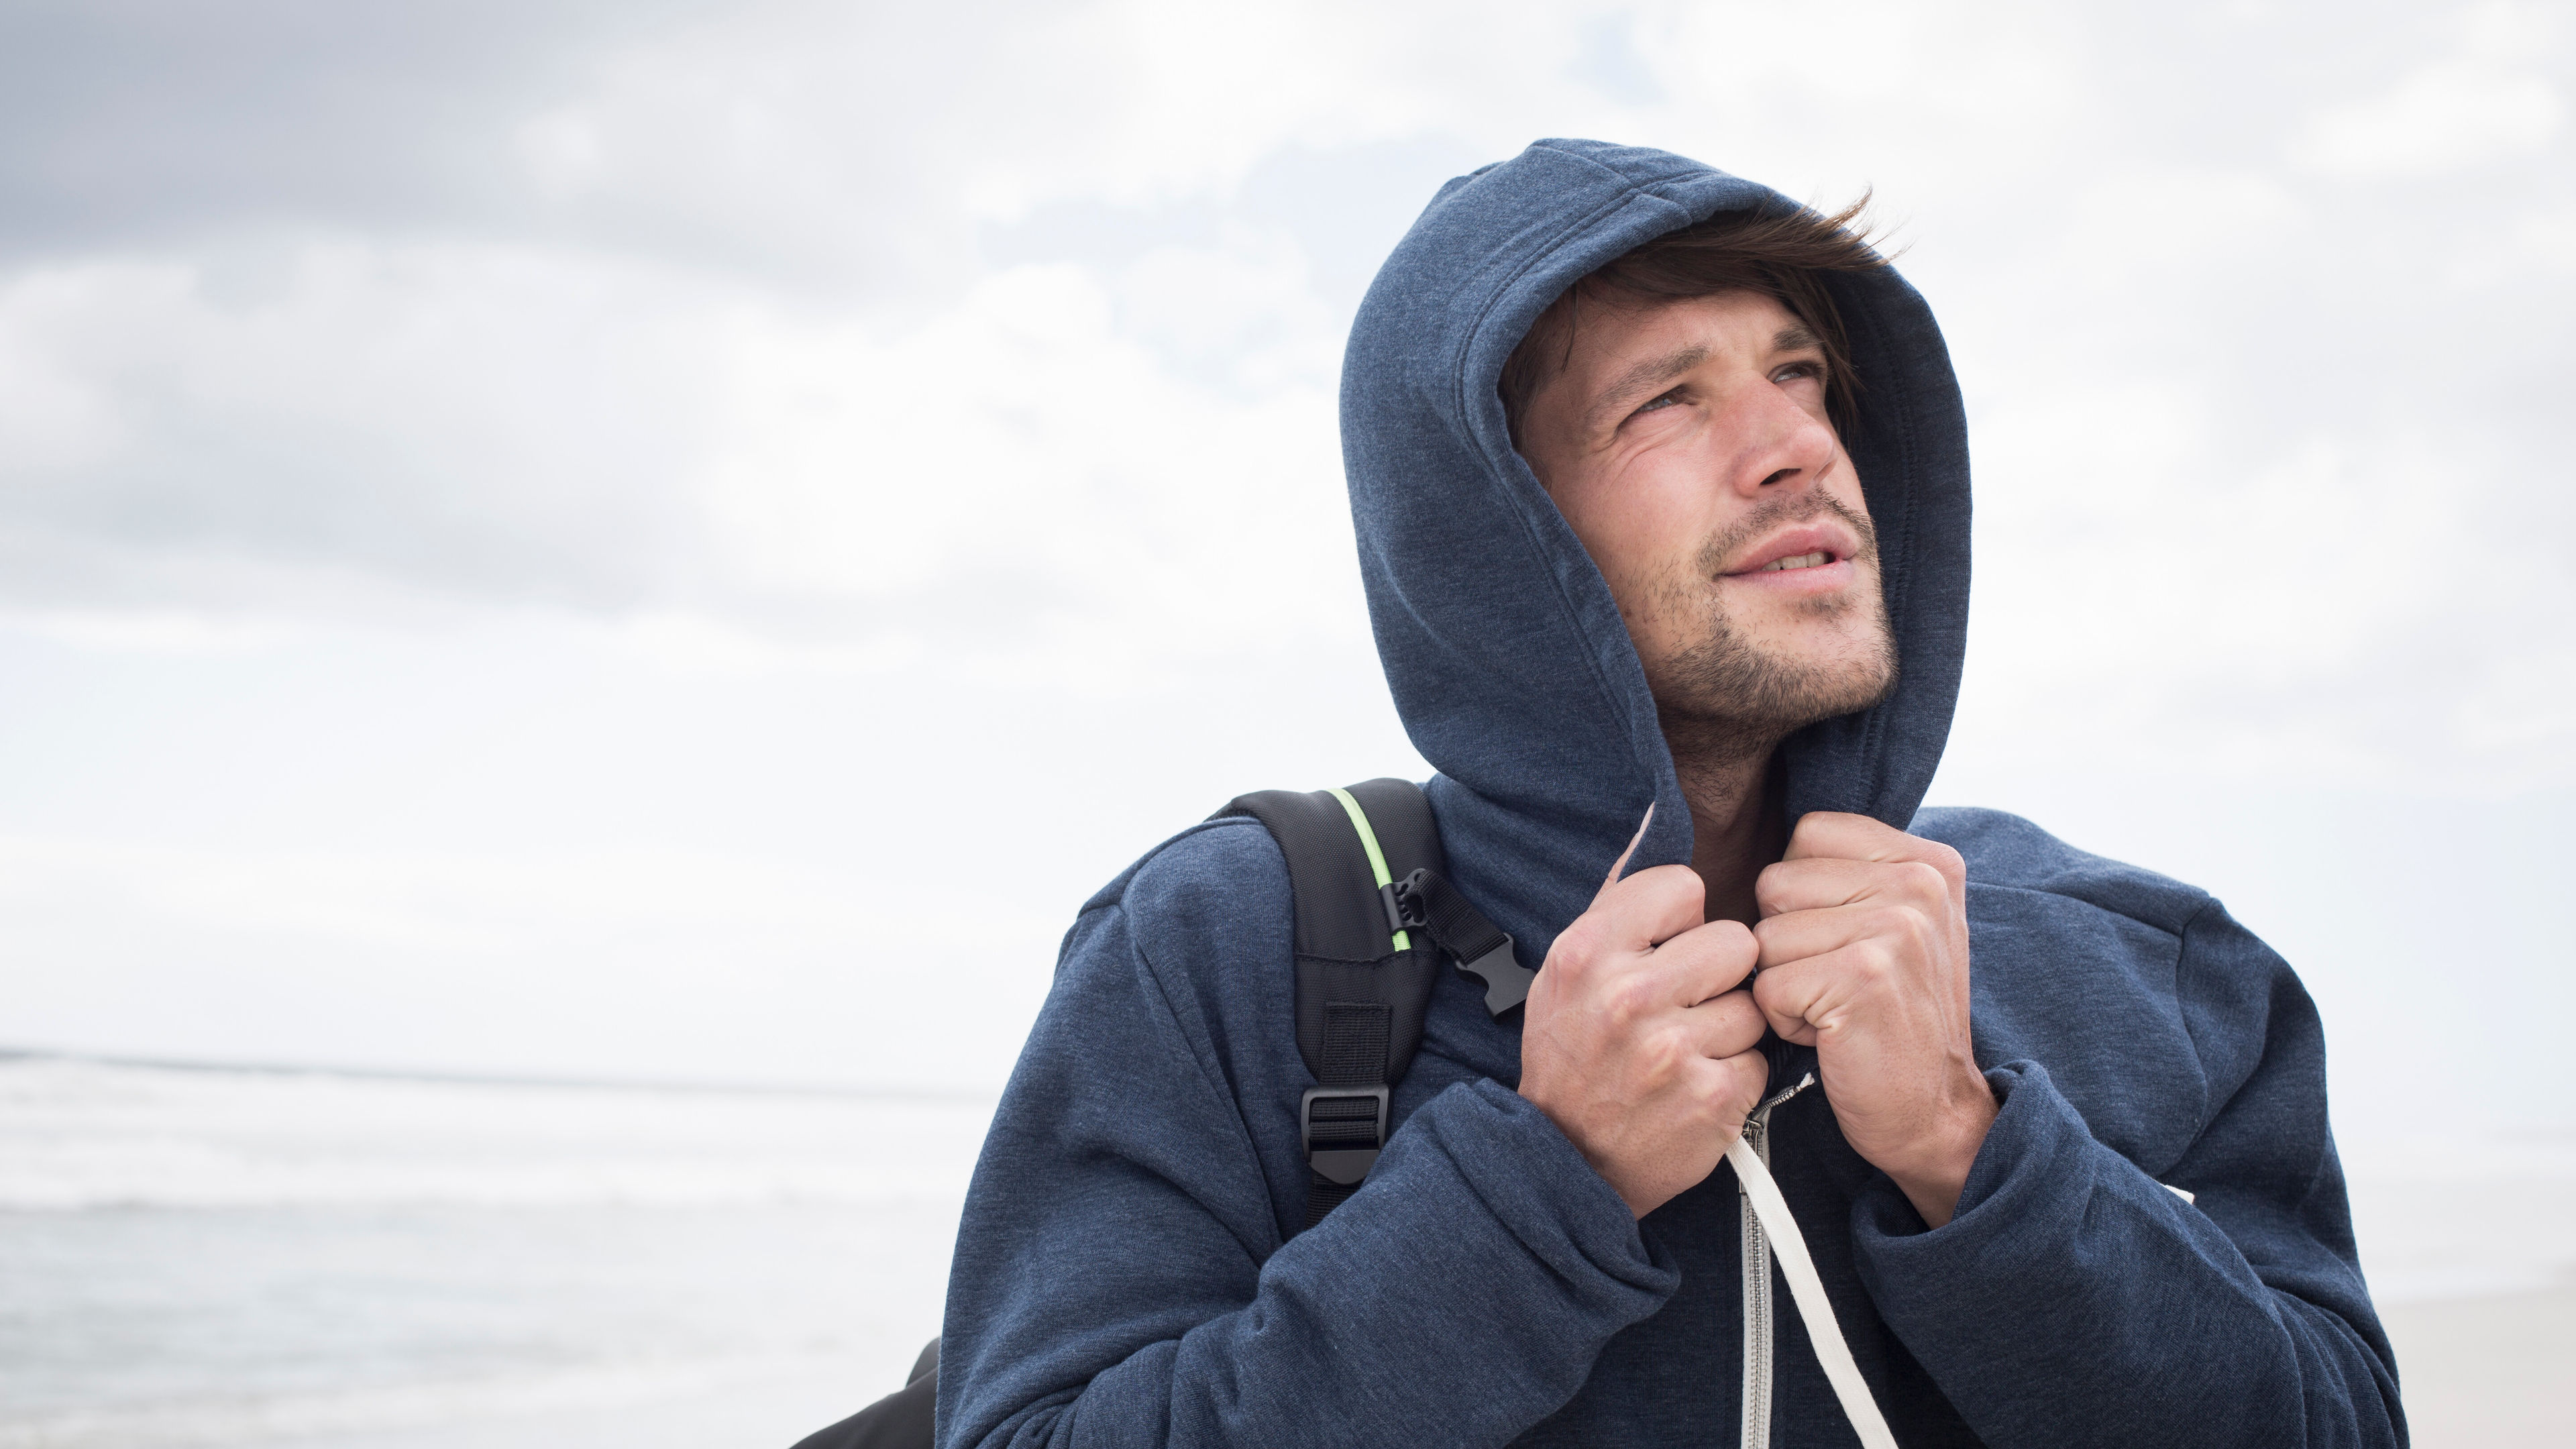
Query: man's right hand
point(1635, 1042)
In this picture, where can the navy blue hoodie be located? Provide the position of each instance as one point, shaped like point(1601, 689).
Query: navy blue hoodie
point(1130, 1271)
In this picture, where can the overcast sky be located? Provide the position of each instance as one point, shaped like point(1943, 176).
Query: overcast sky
point(682, 540)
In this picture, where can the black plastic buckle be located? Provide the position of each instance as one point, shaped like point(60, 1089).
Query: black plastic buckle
point(1408, 907)
point(1342, 1165)
point(1507, 981)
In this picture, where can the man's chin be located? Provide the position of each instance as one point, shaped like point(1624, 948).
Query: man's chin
point(1766, 693)
point(1836, 661)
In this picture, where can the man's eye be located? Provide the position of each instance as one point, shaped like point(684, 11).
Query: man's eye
point(1666, 401)
point(1814, 370)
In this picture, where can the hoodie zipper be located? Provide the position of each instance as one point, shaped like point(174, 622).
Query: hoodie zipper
point(1756, 1431)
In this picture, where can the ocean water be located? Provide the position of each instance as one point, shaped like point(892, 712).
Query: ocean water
point(216, 1258)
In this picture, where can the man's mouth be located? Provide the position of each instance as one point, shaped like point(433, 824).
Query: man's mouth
point(1822, 544)
point(1803, 561)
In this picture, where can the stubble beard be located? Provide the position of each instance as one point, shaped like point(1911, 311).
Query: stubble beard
point(1726, 700)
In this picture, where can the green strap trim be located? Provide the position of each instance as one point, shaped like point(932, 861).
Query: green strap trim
point(1377, 857)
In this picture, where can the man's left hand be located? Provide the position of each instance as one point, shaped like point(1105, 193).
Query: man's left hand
point(1864, 943)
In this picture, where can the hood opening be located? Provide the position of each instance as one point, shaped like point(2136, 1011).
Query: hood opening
point(1509, 664)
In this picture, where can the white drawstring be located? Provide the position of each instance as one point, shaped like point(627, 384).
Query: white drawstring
point(1827, 1335)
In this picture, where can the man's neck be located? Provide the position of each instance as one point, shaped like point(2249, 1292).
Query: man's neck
point(1737, 828)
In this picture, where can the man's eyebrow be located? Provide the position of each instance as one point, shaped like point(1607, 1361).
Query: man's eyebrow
point(1796, 338)
point(1643, 377)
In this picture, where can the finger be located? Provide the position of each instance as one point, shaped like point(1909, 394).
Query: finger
point(1803, 998)
point(1725, 1026)
point(1702, 962)
point(1781, 1015)
point(1835, 835)
point(1733, 1085)
point(1634, 841)
point(1798, 935)
point(1821, 883)
point(1644, 910)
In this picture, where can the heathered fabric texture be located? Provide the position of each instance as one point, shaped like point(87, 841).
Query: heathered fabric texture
point(1129, 1272)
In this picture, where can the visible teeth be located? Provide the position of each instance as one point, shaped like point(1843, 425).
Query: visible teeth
point(1802, 561)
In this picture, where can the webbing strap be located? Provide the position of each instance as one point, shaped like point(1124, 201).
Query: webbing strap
point(1809, 1292)
point(1480, 947)
point(1354, 1059)
point(1342, 1122)
point(1323, 1195)
point(1459, 927)
point(1354, 1043)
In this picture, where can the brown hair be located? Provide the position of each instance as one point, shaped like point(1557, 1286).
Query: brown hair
point(1782, 255)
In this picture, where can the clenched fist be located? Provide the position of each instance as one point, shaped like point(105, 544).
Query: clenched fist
point(1636, 1043)
point(1864, 953)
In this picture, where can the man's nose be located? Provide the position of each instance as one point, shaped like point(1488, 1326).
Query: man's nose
point(1783, 444)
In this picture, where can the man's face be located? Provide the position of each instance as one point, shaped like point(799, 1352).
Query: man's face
point(1687, 443)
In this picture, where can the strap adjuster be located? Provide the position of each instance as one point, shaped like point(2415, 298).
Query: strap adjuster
point(1344, 1165)
point(1408, 905)
point(1427, 903)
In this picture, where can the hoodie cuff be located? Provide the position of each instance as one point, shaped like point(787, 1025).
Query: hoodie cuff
point(1529, 1176)
point(2032, 1173)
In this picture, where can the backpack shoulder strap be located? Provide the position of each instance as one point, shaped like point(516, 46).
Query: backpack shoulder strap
point(1417, 899)
point(1372, 918)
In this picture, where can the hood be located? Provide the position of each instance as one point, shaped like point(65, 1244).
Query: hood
point(1509, 664)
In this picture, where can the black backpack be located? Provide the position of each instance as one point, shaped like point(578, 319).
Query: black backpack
point(1374, 915)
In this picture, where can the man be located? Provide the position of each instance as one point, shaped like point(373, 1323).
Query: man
point(1661, 493)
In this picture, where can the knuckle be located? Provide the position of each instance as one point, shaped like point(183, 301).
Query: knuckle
point(1627, 999)
point(1662, 1053)
point(1773, 1001)
point(1576, 946)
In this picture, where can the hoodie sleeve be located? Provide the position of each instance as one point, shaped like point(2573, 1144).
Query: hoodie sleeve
point(1119, 1279)
point(2074, 1300)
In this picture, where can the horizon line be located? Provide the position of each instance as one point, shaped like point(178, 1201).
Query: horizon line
point(10, 1053)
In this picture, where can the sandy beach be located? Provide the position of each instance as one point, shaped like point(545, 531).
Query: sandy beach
point(2489, 1372)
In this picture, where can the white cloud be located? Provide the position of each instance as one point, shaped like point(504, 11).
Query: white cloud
point(510, 422)
point(167, 631)
point(2334, 607)
point(1026, 453)
point(648, 397)
point(2442, 117)
point(437, 414)
point(485, 540)
point(2481, 105)
point(2147, 219)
